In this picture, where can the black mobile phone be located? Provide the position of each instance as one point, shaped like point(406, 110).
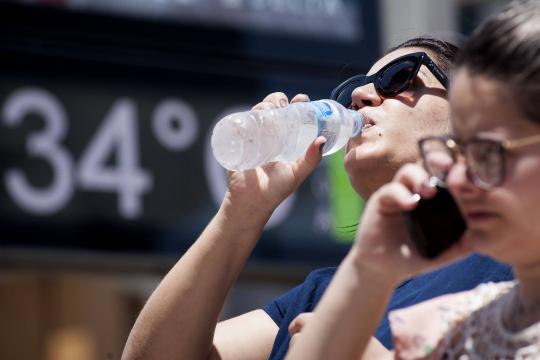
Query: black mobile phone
point(435, 224)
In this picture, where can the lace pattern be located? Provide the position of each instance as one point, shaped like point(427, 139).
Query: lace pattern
point(476, 330)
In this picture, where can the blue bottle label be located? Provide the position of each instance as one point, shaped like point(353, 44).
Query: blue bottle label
point(323, 111)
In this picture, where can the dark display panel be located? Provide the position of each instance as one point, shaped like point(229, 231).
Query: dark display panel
point(105, 126)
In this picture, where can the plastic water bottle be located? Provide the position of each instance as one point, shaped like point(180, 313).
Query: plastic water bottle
point(248, 139)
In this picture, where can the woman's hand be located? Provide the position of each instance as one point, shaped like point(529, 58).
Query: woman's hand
point(383, 246)
point(261, 190)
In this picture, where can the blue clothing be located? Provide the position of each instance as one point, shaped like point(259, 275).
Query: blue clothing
point(462, 275)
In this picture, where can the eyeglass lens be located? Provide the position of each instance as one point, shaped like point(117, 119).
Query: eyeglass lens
point(484, 160)
point(438, 158)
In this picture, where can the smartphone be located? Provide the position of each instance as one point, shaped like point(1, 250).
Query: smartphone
point(435, 224)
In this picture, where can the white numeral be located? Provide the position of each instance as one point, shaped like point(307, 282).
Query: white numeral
point(118, 135)
point(43, 144)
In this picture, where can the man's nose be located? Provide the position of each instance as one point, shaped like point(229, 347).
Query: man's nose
point(365, 95)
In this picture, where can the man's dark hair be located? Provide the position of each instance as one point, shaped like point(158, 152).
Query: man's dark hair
point(443, 52)
point(506, 48)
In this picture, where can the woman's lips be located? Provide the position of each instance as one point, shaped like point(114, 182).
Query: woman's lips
point(479, 216)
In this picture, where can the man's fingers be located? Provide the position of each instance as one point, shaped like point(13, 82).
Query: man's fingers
point(264, 105)
point(300, 98)
point(298, 323)
point(312, 158)
point(296, 326)
point(279, 99)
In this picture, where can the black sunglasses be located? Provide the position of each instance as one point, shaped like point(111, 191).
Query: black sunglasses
point(394, 78)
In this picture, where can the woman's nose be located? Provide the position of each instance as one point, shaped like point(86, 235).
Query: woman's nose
point(458, 179)
point(365, 95)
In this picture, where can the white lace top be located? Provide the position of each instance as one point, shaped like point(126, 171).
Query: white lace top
point(466, 325)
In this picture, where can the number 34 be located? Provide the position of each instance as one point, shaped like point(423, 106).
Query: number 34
point(118, 132)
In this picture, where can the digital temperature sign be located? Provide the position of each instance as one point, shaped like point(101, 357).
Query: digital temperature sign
point(105, 125)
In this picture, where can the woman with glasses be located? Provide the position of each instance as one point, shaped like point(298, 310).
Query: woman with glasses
point(402, 99)
point(491, 165)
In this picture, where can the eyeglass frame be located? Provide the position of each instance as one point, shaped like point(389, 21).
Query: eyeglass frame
point(459, 149)
point(360, 80)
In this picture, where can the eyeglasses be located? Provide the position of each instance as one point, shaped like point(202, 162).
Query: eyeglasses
point(484, 158)
point(394, 78)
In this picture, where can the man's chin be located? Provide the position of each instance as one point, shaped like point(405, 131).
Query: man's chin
point(361, 159)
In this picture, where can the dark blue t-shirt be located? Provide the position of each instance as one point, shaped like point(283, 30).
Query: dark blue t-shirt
point(460, 276)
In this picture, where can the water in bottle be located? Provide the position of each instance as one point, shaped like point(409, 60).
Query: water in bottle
point(248, 139)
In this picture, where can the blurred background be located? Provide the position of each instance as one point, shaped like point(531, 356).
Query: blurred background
point(106, 170)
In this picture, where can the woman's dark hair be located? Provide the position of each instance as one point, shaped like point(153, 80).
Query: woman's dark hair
point(444, 52)
point(506, 47)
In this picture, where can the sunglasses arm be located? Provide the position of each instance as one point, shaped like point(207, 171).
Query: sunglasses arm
point(436, 71)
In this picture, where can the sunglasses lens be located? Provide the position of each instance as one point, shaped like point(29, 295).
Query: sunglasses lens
point(388, 81)
point(396, 78)
point(344, 97)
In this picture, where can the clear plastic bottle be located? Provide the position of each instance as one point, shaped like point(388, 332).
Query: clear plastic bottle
point(248, 139)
